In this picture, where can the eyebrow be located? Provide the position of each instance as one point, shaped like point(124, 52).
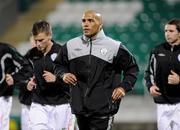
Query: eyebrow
point(40, 40)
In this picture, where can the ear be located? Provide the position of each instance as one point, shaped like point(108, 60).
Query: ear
point(50, 36)
point(100, 27)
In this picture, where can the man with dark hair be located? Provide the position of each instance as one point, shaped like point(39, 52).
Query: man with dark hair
point(163, 77)
point(13, 69)
point(92, 65)
point(24, 94)
point(50, 108)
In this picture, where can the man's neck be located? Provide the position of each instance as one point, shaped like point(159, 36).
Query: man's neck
point(175, 44)
point(48, 48)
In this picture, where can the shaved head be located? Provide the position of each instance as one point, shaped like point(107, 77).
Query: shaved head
point(91, 23)
point(96, 15)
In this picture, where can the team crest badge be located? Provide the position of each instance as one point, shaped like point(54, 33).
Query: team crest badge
point(179, 57)
point(53, 56)
point(103, 51)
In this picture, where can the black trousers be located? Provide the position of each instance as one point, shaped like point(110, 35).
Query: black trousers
point(94, 122)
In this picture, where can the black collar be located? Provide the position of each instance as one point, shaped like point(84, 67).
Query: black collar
point(168, 46)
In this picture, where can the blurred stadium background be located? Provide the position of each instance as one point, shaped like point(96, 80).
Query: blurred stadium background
point(137, 23)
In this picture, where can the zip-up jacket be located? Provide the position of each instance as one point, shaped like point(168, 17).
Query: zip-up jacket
point(97, 63)
point(48, 93)
point(25, 95)
point(163, 59)
point(11, 62)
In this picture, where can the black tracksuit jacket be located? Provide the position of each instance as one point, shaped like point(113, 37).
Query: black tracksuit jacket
point(48, 93)
point(98, 64)
point(25, 95)
point(12, 62)
point(163, 59)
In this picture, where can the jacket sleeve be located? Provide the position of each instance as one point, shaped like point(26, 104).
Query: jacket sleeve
point(150, 71)
point(125, 62)
point(61, 62)
point(22, 66)
point(22, 85)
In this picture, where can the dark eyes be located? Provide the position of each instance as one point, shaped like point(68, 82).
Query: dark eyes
point(83, 20)
point(169, 30)
point(89, 20)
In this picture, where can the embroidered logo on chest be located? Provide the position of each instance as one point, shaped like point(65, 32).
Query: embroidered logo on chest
point(179, 57)
point(103, 51)
point(53, 56)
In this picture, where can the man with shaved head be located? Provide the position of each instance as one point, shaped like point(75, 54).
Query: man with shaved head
point(92, 65)
point(92, 28)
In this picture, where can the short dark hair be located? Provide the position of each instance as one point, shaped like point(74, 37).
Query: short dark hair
point(175, 22)
point(41, 26)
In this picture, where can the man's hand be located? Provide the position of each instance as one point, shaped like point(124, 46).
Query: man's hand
point(9, 80)
point(49, 77)
point(173, 78)
point(118, 93)
point(31, 84)
point(69, 78)
point(154, 91)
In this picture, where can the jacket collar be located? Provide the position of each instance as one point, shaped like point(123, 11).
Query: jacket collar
point(169, 47)
point(100, 35)
point(52, 47)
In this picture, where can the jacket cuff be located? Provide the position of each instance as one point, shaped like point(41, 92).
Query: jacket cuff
point(126, 86)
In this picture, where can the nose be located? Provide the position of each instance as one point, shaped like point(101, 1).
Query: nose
point(85, 23)
point(38, 43)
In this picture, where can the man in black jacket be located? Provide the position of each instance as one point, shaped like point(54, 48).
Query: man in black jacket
point(92, 64)
point(50, 108)
point(25, 95)
point(13, 69)
point(162, 78)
